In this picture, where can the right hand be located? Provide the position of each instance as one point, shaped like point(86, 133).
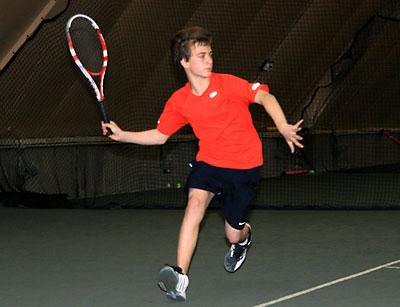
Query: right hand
point(117, 132)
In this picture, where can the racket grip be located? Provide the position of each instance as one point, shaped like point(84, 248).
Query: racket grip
point(105, 117)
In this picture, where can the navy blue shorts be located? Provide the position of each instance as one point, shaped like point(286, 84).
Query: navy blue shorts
point(235, 189)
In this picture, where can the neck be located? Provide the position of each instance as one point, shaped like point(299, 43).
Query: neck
point(198, 85)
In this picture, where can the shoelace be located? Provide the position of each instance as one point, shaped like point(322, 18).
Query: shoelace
point(237, 251)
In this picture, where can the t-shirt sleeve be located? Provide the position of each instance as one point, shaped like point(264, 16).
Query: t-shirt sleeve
point(171, 120)
point(244, 89)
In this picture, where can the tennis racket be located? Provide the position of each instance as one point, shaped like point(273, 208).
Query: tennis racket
point(89, 52)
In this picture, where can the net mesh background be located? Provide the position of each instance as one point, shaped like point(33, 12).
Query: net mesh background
point(335, 64)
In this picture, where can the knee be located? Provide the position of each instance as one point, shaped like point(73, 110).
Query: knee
point(195, 208)
point(194, 203)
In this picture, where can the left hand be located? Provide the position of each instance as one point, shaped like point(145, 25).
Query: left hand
point(289, 132)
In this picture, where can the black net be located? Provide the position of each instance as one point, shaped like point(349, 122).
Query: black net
point(335, 64)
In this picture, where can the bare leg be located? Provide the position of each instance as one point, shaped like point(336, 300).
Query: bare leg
point(234, 235)
point(198, 202)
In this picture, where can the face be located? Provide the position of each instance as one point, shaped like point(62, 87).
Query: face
point(200, 62)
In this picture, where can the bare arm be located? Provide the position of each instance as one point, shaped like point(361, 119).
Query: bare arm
point(147, 137)
point(289, 132)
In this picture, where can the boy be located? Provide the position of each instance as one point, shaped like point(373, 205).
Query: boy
point(230, 150)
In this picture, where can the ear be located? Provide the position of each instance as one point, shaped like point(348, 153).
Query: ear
point(184, 63)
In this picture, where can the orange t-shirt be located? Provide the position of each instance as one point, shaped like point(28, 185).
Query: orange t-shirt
point(220, 119)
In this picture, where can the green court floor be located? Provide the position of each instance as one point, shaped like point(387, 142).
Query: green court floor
point(110, 258)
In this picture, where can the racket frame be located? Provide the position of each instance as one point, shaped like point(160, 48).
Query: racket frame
point(99, 90)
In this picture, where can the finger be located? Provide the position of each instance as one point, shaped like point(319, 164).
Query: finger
point(297, 137)
point(298, 144)
point(107, 126)
point(297, 125)
point(291, 146)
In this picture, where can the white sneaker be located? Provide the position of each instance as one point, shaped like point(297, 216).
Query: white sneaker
point(172, 281)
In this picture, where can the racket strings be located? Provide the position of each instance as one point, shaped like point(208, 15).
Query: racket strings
point(87, 45)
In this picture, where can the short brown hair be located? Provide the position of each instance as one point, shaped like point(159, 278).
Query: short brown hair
point(183, 41)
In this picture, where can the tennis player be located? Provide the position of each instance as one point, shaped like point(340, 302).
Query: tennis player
point(230, 150)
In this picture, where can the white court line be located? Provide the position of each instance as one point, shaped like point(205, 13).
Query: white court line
point(290, 296)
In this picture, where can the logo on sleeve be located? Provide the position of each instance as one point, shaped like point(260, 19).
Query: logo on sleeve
point(255, 86)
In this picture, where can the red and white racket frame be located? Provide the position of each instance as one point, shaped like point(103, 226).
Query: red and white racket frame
point(87, 73)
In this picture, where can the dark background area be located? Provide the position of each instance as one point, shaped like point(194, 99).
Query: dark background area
point(334, 63)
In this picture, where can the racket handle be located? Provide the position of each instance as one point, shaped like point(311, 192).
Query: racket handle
point(104, 115)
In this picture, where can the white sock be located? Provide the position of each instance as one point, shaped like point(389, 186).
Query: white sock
point(244, 242)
